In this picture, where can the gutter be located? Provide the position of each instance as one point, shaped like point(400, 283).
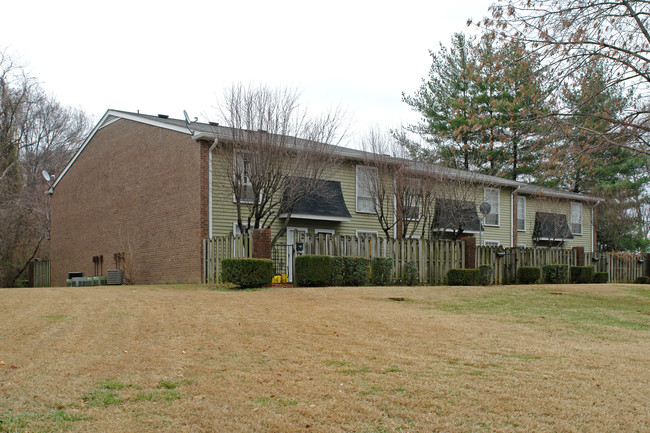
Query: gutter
point(512, 205)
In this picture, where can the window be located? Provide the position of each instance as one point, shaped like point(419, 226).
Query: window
point(366, 184)
point(408, 191)
point(235, 228)
point(366, 233)
point(243, 166)
point(412, 209)
point(576, 218)
point(521, 245)
point(521, 214)
point(487, 243)
point(324, 231)
point(491, 196)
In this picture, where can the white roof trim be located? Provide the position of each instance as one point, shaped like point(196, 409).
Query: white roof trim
point(109, 117)
point(315, 217)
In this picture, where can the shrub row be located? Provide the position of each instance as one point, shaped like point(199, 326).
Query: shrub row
point(582, 274)
point(463, 277)
point(247, 273)
point(317, 270)
point(554, 274)
point(528, 274)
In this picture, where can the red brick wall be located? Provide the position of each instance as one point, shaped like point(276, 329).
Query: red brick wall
point(261, 243)
point(134, 187)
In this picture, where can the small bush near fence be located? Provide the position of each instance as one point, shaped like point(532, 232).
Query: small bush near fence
point(382, 269)
point(641, 280)
point(337, 277)
point(357, 271)
point(528, 274)
point(247, 273)
point(410, 274)
point(485, 272)
point(582, 274)
point(313, 270)
point(554, 274)
point(463, 277)
point(601, 277)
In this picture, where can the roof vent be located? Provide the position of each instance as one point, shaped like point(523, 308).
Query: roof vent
point(214, 123)
point(163, 116)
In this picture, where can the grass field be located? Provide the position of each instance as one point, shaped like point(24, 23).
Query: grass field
point(188, 359)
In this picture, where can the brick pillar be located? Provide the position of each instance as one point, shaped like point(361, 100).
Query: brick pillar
point(470, 252)
point(580, 255)
point(262, 243)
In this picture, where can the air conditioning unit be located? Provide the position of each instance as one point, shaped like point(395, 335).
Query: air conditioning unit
point(113, 277)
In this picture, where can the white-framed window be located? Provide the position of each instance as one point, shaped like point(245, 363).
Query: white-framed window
point(521, 246)
point(491, 196)
point(324, 231)
point(243, 166)
point(235, 228)
point(521, 213)
point(412, 209)
point(487, 243)
point(366, 184)
point(576, 218)
point(367, 233)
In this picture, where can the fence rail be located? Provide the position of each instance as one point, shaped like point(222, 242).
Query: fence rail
point(431, 259)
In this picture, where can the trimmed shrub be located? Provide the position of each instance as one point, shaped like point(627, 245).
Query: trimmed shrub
point(485, 272)
point(582, 274)
point(382, 269)
point(312, 270)
point(641, 280)
point(601, 277)
point(247, 273)
point(554, 274)
point(410, 274)
point(337, 276)
point(357, 271)
point(528, 274)
point(463, 277)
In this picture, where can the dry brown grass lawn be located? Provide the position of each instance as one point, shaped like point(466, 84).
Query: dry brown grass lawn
point(188, 359)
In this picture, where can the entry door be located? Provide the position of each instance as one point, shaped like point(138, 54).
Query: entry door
point(291, 231)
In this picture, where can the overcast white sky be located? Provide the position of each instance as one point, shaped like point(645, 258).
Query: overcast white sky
point(166, 56)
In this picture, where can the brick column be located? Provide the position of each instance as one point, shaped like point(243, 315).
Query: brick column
point(262, 243)
point(580, 255)
point(470, 252)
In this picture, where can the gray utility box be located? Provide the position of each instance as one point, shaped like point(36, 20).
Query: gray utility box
point(113, 277)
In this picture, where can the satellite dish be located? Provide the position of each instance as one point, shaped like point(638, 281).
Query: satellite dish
point(485, 208)
point(187, 118)
point(47, 176)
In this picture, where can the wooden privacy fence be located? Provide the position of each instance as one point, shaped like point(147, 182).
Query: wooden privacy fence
point(621, 267)
point(431, 259)
point(223, 247)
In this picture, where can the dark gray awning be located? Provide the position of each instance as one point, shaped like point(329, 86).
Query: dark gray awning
point(324, 204)
point(452, 215)
point(551, 227)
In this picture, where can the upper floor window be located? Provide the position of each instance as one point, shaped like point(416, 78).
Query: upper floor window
point(521, 213)
point(491, 196)
point(242, 172)
point(576, 218)
point(366, 185)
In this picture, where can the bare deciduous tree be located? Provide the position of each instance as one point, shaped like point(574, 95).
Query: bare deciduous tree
point(36, 134)
point(276, 154)
point(570, 34)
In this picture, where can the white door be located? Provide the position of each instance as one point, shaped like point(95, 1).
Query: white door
point(291, 231)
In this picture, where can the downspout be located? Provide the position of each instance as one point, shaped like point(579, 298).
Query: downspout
point(210, 230)
point(593, 226)
point(512, 222)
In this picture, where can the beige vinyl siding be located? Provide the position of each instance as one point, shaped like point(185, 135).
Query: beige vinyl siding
point(224, 210)
point(502, 232)
point(534, 205)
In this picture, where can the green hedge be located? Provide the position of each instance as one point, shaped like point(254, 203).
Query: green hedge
point(582, 274)
point(601, 277)
point(554, 274)
point(357, 271)
point(382, 270)
point(641, 280)
point(312, 270)
point(247, 273)
point(463, 277)
point(337, 277)
point(528, 274)
point(410, 274)
point(485, 275)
